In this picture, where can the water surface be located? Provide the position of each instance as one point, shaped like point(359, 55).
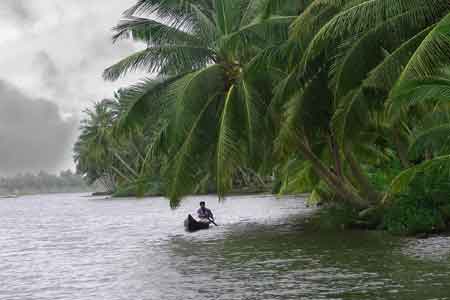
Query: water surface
point(79, 247)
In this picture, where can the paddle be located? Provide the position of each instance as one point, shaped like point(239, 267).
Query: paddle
point(212, 221)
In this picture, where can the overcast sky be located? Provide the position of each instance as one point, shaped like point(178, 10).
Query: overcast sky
point(52, 54)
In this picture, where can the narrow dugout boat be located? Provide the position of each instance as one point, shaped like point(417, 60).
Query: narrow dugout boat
point(192, 225)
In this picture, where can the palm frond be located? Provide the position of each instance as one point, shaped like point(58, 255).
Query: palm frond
point(271, 30)
point(183, 169)
point(147, 98)
point(427, 60)
point(312, 19)
point(436, 140)
point(385, 75)
point(228, 152)
point(191, 119)
point(351, 66)
point(415, 91)
point(228, 14)
point(152, 32)
point(307, 114)
point(175, 12)
point(359, 18)
point(170, 58)
point(400, 183)
point(431, 55)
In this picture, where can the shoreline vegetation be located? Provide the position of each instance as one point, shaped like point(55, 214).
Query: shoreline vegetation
point(349, 102)
point(43, 183)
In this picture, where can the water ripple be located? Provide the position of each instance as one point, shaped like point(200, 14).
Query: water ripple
point(77, 247)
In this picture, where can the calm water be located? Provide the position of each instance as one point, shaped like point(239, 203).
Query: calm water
point(77, 247)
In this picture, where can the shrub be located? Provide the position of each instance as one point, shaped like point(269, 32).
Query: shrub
point(423, 208)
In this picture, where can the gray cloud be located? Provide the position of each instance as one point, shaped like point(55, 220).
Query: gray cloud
point(54, 50)
point(33, 135)
point(52, 77)
point(17, 9)
point(66, 50)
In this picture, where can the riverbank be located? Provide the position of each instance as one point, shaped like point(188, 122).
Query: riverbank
point(131, 192)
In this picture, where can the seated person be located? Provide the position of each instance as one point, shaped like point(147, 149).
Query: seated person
point(204, 214)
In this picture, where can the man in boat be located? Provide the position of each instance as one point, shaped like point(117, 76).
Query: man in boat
point(204, 214)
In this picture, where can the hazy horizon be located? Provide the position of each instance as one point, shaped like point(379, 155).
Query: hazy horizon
point(53, 55)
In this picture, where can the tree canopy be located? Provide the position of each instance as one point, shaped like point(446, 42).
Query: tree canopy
point(337, 98)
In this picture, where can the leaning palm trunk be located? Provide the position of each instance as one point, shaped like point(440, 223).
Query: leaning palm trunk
point(339, 185)
point(367, 189)
point(336, 155)
point(402, 149)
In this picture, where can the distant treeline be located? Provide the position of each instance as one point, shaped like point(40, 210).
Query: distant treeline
point(43, 182)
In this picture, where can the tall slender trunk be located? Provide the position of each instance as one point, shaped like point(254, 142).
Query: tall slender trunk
point(336, 155)
point(367, 188)
point(428, 154)
point(402, 149)
point(339, 185)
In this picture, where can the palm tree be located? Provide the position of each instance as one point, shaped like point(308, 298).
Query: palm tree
point(429, 145)
point(115, 155)
point(232, 85)
point(209, 97)
point(347, 58)
point(92, 151)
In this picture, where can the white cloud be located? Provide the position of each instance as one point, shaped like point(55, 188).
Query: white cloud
point(75, 36)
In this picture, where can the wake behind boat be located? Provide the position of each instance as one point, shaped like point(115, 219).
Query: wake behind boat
point(192, 224)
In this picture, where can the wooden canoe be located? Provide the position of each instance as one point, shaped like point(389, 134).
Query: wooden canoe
point(192, 225)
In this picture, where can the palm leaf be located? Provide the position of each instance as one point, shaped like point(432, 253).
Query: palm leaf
point(171, 58)
point(400, 183)
point(435, 139)
point(152, 32)
point(359, 18)
point(416, 91)
point(432, 54)
point(190, 122)
point(228, 152)
point(385, 75)
point(427, 60)
point(183, 169)
point(175, 12)
point(352, 65)
point(145, 99)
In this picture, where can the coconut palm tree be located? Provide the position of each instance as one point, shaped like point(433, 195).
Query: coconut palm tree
point(92, 151)
point(116, 156)
point(346, 59)
point(230, 84)
point(208, 96)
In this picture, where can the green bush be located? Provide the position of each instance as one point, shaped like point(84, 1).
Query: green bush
point(410, 215)
point(381, 176)
point(423, 208)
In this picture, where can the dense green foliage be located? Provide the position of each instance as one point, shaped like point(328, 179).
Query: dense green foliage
point(117, 158)
point(423, 207)
point(347, 100)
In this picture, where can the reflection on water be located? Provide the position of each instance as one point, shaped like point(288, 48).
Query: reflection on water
point(74, 247)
